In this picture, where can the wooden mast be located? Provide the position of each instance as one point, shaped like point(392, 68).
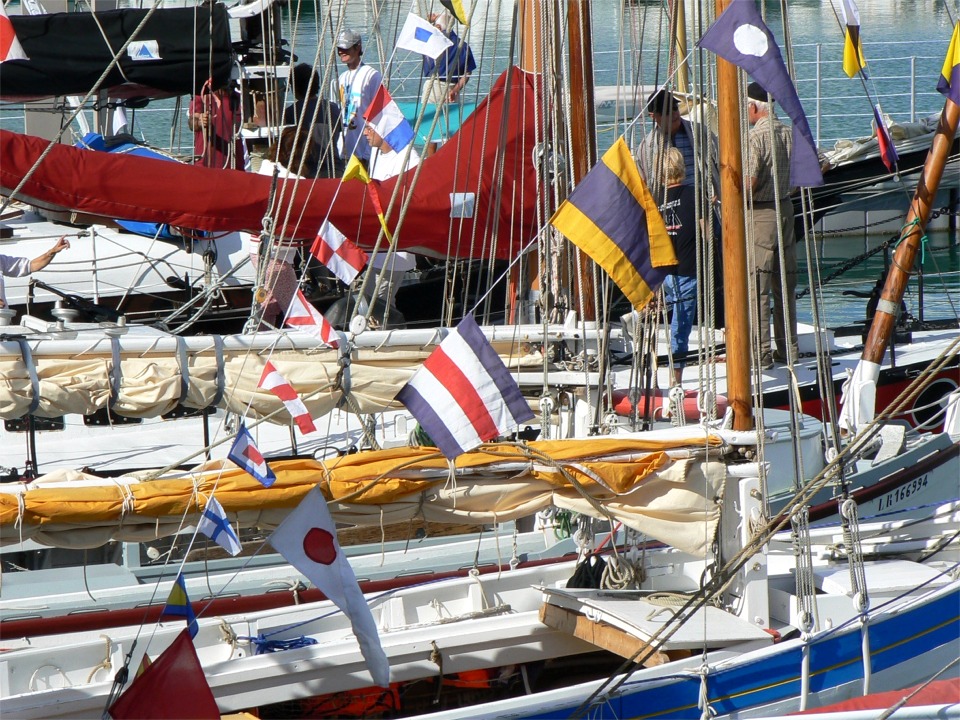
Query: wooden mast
point(583, 126)
point(735, 294)
point(678, 21)
point(923, 198)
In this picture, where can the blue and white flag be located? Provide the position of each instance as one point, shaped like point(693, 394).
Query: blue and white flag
point(463, 395)
point(387, 119)
point(244, 453)
point(419, 36)
point(740, 37)
point(214, 525)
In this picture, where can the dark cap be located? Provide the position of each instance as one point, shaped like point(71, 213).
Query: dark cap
point(662, 102)
point(756, 92)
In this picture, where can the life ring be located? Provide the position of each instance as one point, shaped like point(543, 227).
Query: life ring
point(930, 403)
point(661, 404)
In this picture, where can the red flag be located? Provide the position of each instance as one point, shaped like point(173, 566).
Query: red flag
point(173, 687)
point(273, 381)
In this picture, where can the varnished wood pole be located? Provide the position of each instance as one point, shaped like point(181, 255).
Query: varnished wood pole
point(735, 296)
point(678, 20)
point(583, 126)
point(923, 198)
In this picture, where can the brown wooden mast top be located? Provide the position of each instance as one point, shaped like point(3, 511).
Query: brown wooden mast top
point(911, 237)
point(735, 297)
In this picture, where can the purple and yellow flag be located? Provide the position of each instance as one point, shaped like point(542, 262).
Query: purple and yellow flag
point(613, 218)
point(949, 83)
point(853, 61)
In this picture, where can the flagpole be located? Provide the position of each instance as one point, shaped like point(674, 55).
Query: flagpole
point(735, 296)
point(911, 238)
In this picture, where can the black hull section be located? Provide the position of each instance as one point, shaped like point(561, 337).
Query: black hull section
point(171, 55)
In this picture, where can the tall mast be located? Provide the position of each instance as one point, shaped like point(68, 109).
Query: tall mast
point(583, 126)
point(735, 294)
point(923, 198)
point(678, 21)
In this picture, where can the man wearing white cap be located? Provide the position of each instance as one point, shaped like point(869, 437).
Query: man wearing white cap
point(358, 84)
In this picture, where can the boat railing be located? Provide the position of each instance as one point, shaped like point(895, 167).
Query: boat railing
point(901, 76)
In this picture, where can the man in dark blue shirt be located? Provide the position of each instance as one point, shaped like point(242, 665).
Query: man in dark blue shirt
point(447, 75)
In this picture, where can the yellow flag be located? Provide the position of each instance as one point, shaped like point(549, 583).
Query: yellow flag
point(355, 170)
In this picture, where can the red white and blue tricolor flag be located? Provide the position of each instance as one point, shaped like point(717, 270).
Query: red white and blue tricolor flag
point(463, 394)
point(244, 453)
point(273, 381)
point(304, 316)
point(215, 525)
point(888, 152)
point(344, 258)
point(387, 119)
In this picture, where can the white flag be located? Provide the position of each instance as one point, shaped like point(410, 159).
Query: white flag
point(419, 36)
point(307, 539)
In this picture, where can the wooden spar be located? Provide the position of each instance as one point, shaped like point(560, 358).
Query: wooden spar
point(583, 126)
point(678, 21)
point(883, 320)
point(530, 21)
point(735, 294)
point(525, 275)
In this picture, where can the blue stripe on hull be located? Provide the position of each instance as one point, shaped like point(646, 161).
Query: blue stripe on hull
point(835, 660)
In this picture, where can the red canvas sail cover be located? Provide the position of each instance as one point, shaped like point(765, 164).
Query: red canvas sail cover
point(475, 197)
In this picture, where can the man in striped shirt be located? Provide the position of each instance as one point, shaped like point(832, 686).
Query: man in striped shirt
point(767, 178)
point(669, 130)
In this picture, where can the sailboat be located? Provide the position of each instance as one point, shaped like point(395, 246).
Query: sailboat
point(630, 477)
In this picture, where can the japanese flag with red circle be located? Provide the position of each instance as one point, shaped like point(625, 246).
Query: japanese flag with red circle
point(10, 47)
point(307, 539)
point(304, 316)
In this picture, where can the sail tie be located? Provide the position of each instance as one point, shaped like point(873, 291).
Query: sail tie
point(182, 361)
point(116, 373)
point(32, 370)
point(127, 504)
point(221, 372)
